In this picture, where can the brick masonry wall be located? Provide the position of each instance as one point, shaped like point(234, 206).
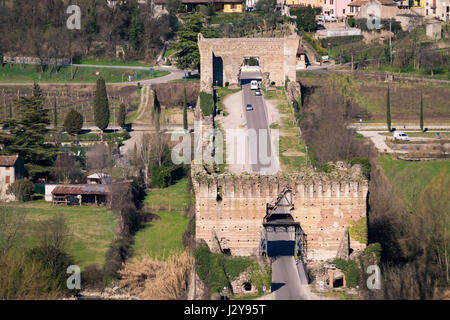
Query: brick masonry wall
point(325, 205)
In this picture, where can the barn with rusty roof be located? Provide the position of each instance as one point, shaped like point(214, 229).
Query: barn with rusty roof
point(81, 194)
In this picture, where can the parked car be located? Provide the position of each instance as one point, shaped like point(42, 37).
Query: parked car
point(398, 135)
point(254, 85)
point(330, 19)
point(321, 18)
point(258, 92)
point(249, 107)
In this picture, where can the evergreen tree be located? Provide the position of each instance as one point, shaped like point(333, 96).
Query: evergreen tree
point(421, 111)
point(101, 105)
point(28, 134)
point(37, 92)
point(156, 113)
point(388, 110)
point(136, 29)
point(122, 115)
point(73, 122)
point(188, 55)
point(306, 18)
point(185, 119)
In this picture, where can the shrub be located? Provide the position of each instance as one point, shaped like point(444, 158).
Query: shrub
point(161, 177)
point(21, 278)
point(92, 277)
point(350, 270)
point(327, 168)
point(373, 249)
point(22, 189)
point(365, 163)
point(217, 270)
point(118, 252)
point(316, 44)
point(55, 261)
point(73, 122)
point(206, 103)
point(209, 269)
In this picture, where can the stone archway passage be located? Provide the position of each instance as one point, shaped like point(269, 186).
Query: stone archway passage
point(221, 59)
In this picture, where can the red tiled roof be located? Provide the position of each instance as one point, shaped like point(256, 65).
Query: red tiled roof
point(95, 189)
point(210, 1)
point(8, 161)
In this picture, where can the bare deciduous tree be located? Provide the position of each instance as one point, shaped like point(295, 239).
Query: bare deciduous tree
point(99, 158)
point(11, 227)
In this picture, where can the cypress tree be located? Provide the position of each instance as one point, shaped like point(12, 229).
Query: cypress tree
point(421, 111)
point(185, 119)
point(122, 115)
point(157, 113)
point(101, 106)
point(388, 110)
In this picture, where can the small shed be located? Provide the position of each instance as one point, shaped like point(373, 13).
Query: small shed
point(81, 194)
point(99, 178)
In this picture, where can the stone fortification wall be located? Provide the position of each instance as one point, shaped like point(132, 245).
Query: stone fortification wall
point(230, 208)
point(277, 56)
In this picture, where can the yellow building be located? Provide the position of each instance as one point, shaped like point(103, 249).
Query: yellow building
point(418, 3)
point(233, 6)
point(228, 6)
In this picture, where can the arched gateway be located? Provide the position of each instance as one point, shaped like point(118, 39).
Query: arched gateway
point(221, 59)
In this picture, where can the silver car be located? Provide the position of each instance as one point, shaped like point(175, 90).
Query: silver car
point(249, 107)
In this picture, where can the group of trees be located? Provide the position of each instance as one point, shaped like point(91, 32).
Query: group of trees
point(409, 222)
point(38, 28)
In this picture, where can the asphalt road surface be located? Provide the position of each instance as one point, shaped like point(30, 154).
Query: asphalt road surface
point(260, 149)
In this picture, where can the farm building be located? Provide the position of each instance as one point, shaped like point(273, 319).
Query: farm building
point(81, 194)
point(11, 169)
point(99, 178)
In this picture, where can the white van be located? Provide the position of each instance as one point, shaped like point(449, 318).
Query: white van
point(401, 136)
point(254, 85)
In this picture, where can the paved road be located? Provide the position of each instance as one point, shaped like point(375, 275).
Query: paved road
point(289, 279)
point(263, 159)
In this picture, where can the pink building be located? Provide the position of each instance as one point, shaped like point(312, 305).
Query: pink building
point(337, 8)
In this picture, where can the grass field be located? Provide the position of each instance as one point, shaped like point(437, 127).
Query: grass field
point(405, 99)
point(162, 238)
point(30, 73)
point(106, 62)
point(92, 229)
point(405, 173)
point(291, 147)
point(418, 134)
